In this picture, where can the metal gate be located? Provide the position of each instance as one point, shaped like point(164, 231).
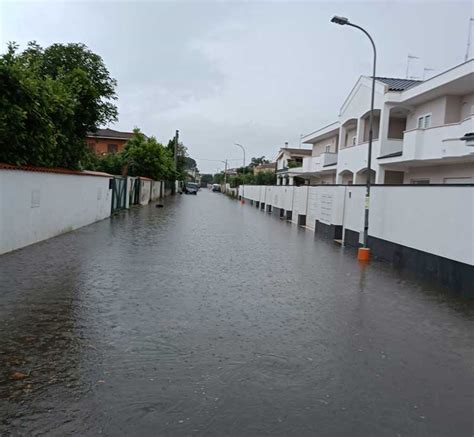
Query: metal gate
point(134, 195)
point(119, 193)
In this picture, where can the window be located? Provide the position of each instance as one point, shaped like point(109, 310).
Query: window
point(91, 146)
point(424, 122)
point(420, 181)
point(328, 148)
point(112, 148)
point(458, 180)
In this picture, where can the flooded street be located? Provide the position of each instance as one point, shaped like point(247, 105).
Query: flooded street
point(207, 317)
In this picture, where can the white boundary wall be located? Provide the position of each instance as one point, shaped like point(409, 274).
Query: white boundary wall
point(438, 220)
point(145, 191)
point(35, 206)
point(432, 219)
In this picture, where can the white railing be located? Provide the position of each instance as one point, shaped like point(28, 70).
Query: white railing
point(328, 159)
point(391, 145)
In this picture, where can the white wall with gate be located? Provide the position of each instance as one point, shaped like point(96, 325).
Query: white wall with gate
point(37, 205)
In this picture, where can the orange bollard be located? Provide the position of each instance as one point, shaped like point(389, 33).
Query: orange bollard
point(363, 254)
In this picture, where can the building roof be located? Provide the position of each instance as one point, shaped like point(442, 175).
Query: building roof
point(267, 165)
point(110, 133)
point(395, 84)
point(297, 151)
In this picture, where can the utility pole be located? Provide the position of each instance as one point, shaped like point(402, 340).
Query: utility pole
point(176, 139)
point(225, 176)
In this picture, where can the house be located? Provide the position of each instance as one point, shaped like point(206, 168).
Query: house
point(289, 163)
point(107, 141)
point(418, 131)
point(269, 167)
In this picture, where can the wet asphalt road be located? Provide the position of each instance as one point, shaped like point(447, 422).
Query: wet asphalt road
point(211, 318)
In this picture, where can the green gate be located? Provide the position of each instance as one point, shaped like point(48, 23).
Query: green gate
point(119, 193)
point(134, 195)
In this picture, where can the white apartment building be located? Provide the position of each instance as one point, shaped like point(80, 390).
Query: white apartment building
point(418, 126)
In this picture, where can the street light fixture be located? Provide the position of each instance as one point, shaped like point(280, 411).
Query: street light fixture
point(242, 200)
point(364, 252)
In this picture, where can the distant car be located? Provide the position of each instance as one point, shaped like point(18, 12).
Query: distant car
point(191, 188)
point(216, 187)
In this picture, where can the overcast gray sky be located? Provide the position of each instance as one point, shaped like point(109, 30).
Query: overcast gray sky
point(257, 73)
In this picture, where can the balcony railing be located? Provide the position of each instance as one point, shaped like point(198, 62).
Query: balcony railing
point(328, 159)
point(437, 142)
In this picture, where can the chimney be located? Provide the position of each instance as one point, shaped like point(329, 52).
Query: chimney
point(286, 143)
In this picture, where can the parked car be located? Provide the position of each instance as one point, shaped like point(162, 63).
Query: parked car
point(216, 187)
point(191, 188)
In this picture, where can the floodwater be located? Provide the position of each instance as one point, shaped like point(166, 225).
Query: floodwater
point(207, 317)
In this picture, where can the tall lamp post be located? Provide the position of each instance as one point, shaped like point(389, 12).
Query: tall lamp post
point(242, 200)
point(364, 252)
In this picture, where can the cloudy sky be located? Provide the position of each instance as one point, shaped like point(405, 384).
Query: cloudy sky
point(257, 73)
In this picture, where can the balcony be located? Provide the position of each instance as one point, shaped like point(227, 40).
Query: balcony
point(435, 143)
point(328, 159)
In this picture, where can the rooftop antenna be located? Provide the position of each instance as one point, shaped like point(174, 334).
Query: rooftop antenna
point(425, 70)
point(469, 34)
point(301, 139)
point(409, 58)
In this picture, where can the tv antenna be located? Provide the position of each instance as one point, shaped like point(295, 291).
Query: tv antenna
point(469, 35)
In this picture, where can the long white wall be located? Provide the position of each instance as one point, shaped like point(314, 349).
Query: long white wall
point(438, 220)
point(433, 219)
point(35, 206)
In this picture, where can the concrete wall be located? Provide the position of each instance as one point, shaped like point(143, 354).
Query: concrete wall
point(467, 106)
point(455, 173)
point(145, 191)
point(101, 146)
point(437, 220)
point(35, 206)
point(435, 107)
point(156, 190)
point(320, 146)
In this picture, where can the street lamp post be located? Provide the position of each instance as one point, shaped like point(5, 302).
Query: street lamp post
point(364, 252)
point(242, 200)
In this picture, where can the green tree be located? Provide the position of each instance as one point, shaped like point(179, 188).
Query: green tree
point(112, 163)
point(49, 99)
point(219, 178)
point(146, 157)
point(206, 179)
point(257, 161)
point(265, 178)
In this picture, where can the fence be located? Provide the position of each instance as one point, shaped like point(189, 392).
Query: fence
point(430, 227)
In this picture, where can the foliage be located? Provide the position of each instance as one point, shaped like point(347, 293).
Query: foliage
point(146, 157)
point(218, 178)
point(265, 178)
point(257, 161)
point(49, 99)
point(293, 164)
point(206, 179)
point(184, 162)
point(112, 163)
